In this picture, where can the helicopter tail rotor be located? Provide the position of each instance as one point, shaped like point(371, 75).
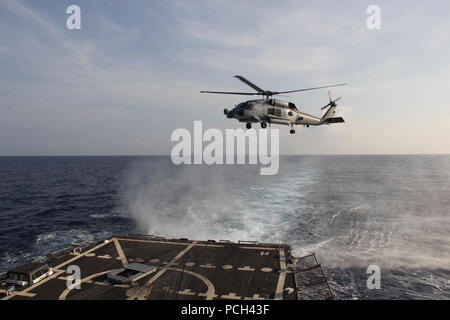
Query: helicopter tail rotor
point(332, 102)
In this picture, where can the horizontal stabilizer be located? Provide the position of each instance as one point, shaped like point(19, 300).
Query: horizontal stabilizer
point(334, 120)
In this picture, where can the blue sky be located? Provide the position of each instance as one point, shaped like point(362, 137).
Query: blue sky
point(133, 73)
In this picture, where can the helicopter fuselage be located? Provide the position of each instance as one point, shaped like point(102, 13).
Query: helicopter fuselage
point(267, 111)
point(271, 111)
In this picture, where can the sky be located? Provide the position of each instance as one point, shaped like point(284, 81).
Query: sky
point(132, 74)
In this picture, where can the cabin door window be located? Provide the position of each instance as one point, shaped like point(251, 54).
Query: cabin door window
point(274, 112)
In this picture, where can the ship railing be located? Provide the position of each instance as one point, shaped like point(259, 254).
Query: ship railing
point(84, 243)
point(75, 248)
point(141, 236)
point(41, 259)
point(247, 242)
point(10, 291)
point(310, 279)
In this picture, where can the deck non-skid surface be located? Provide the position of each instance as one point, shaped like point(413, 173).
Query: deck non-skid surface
point(185, 270)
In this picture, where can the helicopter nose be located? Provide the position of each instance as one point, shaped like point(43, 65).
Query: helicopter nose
point(230, 113)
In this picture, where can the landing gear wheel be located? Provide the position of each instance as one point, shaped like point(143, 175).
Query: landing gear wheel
point(292, 131)
point(263, 125)
point(248, 125)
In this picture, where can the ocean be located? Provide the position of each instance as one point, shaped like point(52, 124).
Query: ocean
point(353, 211)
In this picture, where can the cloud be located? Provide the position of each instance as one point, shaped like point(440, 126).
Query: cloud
point(140, 69)
point(80, 50)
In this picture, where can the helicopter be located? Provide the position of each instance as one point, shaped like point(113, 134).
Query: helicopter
point(274, 111)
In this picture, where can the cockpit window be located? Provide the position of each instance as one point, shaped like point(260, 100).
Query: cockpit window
point(292, 106)
point(244, 105)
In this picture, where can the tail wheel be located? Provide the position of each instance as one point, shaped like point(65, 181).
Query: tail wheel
point(292, 131)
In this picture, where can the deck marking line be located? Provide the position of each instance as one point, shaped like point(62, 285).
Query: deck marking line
point(210, 294)
point(282, 278)
point(255, 297)
point(19, 293)
point(88, 279)
point(187, 292)
point(161, 272)
point(81, 255)
point(246, 268)
point(231, 296)
point(120, 252)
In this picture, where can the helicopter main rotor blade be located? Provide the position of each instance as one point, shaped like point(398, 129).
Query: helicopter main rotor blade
point(252, 85)
point(226, 92)
point(335, 85)
point(267, 93)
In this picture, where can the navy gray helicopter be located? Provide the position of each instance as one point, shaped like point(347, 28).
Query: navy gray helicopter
point(273, 111)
